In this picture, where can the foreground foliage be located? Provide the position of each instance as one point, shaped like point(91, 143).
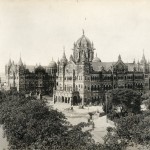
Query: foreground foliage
point(29, 124)
point(120, 102)
point(130, 131)
point(132, 126)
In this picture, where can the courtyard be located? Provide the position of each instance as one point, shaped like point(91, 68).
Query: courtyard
point(78, 115)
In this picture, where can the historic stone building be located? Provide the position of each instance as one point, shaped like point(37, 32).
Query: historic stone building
point(31, 79)
point(84, 78)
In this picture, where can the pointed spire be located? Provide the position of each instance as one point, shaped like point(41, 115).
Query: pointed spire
point(71, 57)
point(9, 63)
point(143, 61)
point(64, 55)
point(119, 57)
point(64, 59)
point(134, 61)
point(20, 63)
point(58, 61)
point(143, 57)
point(13, 62)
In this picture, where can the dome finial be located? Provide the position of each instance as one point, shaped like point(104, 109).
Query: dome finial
point(83, 31)
point(143, 54)
point(64, 48)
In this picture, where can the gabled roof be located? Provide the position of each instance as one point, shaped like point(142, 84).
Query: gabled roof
point(97, 66)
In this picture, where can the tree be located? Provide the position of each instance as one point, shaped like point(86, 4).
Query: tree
point(123, 101)
point(129, 131)
point(29, 124)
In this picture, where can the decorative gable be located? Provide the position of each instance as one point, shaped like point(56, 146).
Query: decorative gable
point(120, 66)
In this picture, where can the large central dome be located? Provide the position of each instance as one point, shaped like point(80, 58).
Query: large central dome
point(83, 50)
point(83, 42)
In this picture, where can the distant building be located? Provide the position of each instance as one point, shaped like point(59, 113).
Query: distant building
point(35, 79)
point(84, 78)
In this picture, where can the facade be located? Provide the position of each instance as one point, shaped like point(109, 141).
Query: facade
point(31, 79)
point(84, 78)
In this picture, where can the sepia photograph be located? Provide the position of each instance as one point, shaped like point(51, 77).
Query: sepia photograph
point(74, 75)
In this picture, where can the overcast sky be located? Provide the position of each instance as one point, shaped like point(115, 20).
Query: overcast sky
point(40, 29)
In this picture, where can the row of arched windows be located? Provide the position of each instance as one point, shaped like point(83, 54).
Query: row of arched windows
point(95, 78)
point(120, 77)
point(108, 87)
point(102, 87)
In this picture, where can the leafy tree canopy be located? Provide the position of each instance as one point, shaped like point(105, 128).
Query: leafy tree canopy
point(29, 124)
point(123, 101)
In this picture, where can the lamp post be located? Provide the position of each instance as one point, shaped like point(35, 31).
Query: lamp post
point(106, 107)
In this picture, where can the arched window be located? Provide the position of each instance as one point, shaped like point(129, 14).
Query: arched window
point(92, 88)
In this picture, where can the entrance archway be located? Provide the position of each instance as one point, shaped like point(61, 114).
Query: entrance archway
point(75, 100)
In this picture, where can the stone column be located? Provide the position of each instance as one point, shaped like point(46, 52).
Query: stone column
point(71, 101)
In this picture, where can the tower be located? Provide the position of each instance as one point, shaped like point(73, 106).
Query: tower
point(20, 76)
point(83, 49)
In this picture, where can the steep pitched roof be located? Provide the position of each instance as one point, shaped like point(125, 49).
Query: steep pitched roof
point(97, 66)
